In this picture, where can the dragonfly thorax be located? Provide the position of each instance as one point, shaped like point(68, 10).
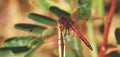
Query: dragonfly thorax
point(65, 22)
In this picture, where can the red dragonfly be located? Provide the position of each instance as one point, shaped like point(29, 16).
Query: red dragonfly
point(67, 23)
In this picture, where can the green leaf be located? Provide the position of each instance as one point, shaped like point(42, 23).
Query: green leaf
point(38, 45)
point(30, 28)
point(41, 19)
point(117, 35)
point(20, 41)
point(49, 32)
point(85, 9)
point(12, 51)
point(58, 11)
point(15, 49)
point(5, 52)
point(114, 54)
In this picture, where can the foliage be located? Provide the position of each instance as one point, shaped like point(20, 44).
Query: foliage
point(41, 19)
point(85, 9)
point(17, 45)
point(117, 34)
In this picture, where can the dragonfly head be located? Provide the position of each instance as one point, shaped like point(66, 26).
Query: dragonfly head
point(66, 21)
point(62, 20)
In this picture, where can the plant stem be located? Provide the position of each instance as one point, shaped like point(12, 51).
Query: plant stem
point(112, 49)
point(106, 28)
point(101, 7)
point(61, 43)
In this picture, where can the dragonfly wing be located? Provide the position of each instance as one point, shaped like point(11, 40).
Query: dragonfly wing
point(75, 15)
point(76, 18)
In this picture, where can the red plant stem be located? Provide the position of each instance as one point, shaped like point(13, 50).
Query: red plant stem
point(106, 28)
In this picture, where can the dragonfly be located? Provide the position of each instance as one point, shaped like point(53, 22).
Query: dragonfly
point(65, 24)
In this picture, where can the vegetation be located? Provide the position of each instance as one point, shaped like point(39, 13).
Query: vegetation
point(80, 10)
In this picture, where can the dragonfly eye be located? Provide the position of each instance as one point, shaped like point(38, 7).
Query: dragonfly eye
point(66, 21)
point(62, 20)
point(70, 21)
